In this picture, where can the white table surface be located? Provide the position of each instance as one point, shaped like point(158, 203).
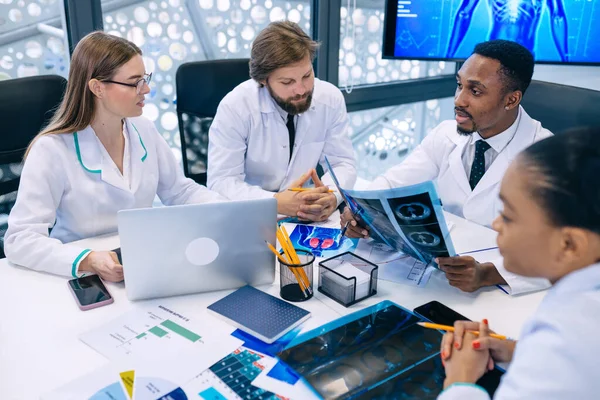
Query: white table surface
point(40, 321)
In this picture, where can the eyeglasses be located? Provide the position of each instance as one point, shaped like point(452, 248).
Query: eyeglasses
point(139, 85)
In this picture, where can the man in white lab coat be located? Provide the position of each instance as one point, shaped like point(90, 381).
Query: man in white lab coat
point(271, 132)
point(468, 156)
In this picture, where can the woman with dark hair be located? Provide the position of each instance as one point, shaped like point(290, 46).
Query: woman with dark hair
point(550, 228)
point(97, 156)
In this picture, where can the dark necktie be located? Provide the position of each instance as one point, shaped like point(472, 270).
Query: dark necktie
point(292, 131)
point(478, 167)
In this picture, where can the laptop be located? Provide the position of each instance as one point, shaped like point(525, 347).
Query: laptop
point(196, 248)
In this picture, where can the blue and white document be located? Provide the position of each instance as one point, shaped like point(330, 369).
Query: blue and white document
point(409, 219)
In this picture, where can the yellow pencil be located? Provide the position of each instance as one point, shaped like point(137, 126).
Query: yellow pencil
point(451, 329)
point(286, 244)
point(305, 189)
point(272, 248)
point(287, 252)
point(284, 247)
point(295, 258)
point(289, 244)
point(283, 260)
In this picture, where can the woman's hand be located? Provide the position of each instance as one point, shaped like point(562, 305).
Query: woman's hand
point(104, 263)
point(466, 364)
point(500, 350)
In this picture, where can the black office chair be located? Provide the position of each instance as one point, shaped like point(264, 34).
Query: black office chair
point(560, 107)
point(200, 88)
point(26, 105)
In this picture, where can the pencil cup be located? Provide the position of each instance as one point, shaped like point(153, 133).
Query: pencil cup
point(297, 279)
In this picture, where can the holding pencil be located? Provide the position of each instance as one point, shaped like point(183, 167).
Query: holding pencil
point(449, 328)
point(305, 189)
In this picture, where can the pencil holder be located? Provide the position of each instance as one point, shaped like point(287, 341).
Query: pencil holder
point(297, 279)
point(347, 278)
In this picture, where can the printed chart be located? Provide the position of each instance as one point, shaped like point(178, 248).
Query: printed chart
point(153, 332)
point(231, 378)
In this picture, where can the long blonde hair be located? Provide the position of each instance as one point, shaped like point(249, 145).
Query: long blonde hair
point(98, 55)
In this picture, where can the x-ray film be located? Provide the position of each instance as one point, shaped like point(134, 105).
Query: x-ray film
point(353, 355)
point(408, 219)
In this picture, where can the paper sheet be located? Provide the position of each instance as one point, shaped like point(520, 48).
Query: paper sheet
point(134, 379)
point(179, 377)
point(159, 354)
point(233, 378)
point(159, 331)
point(394, 266)
point(322, 242)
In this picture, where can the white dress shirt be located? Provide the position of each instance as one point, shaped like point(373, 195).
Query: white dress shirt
point(497, 144)
point(248, 152)
point(445, 156)
point(557, 355)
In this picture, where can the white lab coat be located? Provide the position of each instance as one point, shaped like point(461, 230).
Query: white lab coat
point(556, 357)
point(70, 185)
point(248, 152)
point(439, 158)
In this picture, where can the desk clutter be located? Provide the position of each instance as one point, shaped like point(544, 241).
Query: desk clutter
point(253, 345)
point(159, 353)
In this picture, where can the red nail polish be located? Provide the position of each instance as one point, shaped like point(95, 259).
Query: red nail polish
point(456, 345)
point(476, 344)
point(485, 321)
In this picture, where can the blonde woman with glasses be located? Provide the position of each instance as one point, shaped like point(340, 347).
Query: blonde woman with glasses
point(97, 156)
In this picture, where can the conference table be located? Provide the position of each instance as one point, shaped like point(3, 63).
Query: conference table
point(40, 322)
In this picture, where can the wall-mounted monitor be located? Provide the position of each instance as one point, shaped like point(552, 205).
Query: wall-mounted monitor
point(556, 31)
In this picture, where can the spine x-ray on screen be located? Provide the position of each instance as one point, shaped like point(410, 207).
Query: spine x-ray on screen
point(555, 31)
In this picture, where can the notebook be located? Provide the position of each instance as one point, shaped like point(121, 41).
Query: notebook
point(258, 313)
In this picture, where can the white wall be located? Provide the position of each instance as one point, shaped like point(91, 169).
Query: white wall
point(586, 77)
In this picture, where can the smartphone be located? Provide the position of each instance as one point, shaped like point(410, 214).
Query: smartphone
point(438, 313)
point(90, 292)
point(118, 253)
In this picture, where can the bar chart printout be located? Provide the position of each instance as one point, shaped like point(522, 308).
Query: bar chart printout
point(153, 332)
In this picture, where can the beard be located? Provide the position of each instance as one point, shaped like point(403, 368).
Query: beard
point(466, 132)
point(287, 105)
point(463, 131)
